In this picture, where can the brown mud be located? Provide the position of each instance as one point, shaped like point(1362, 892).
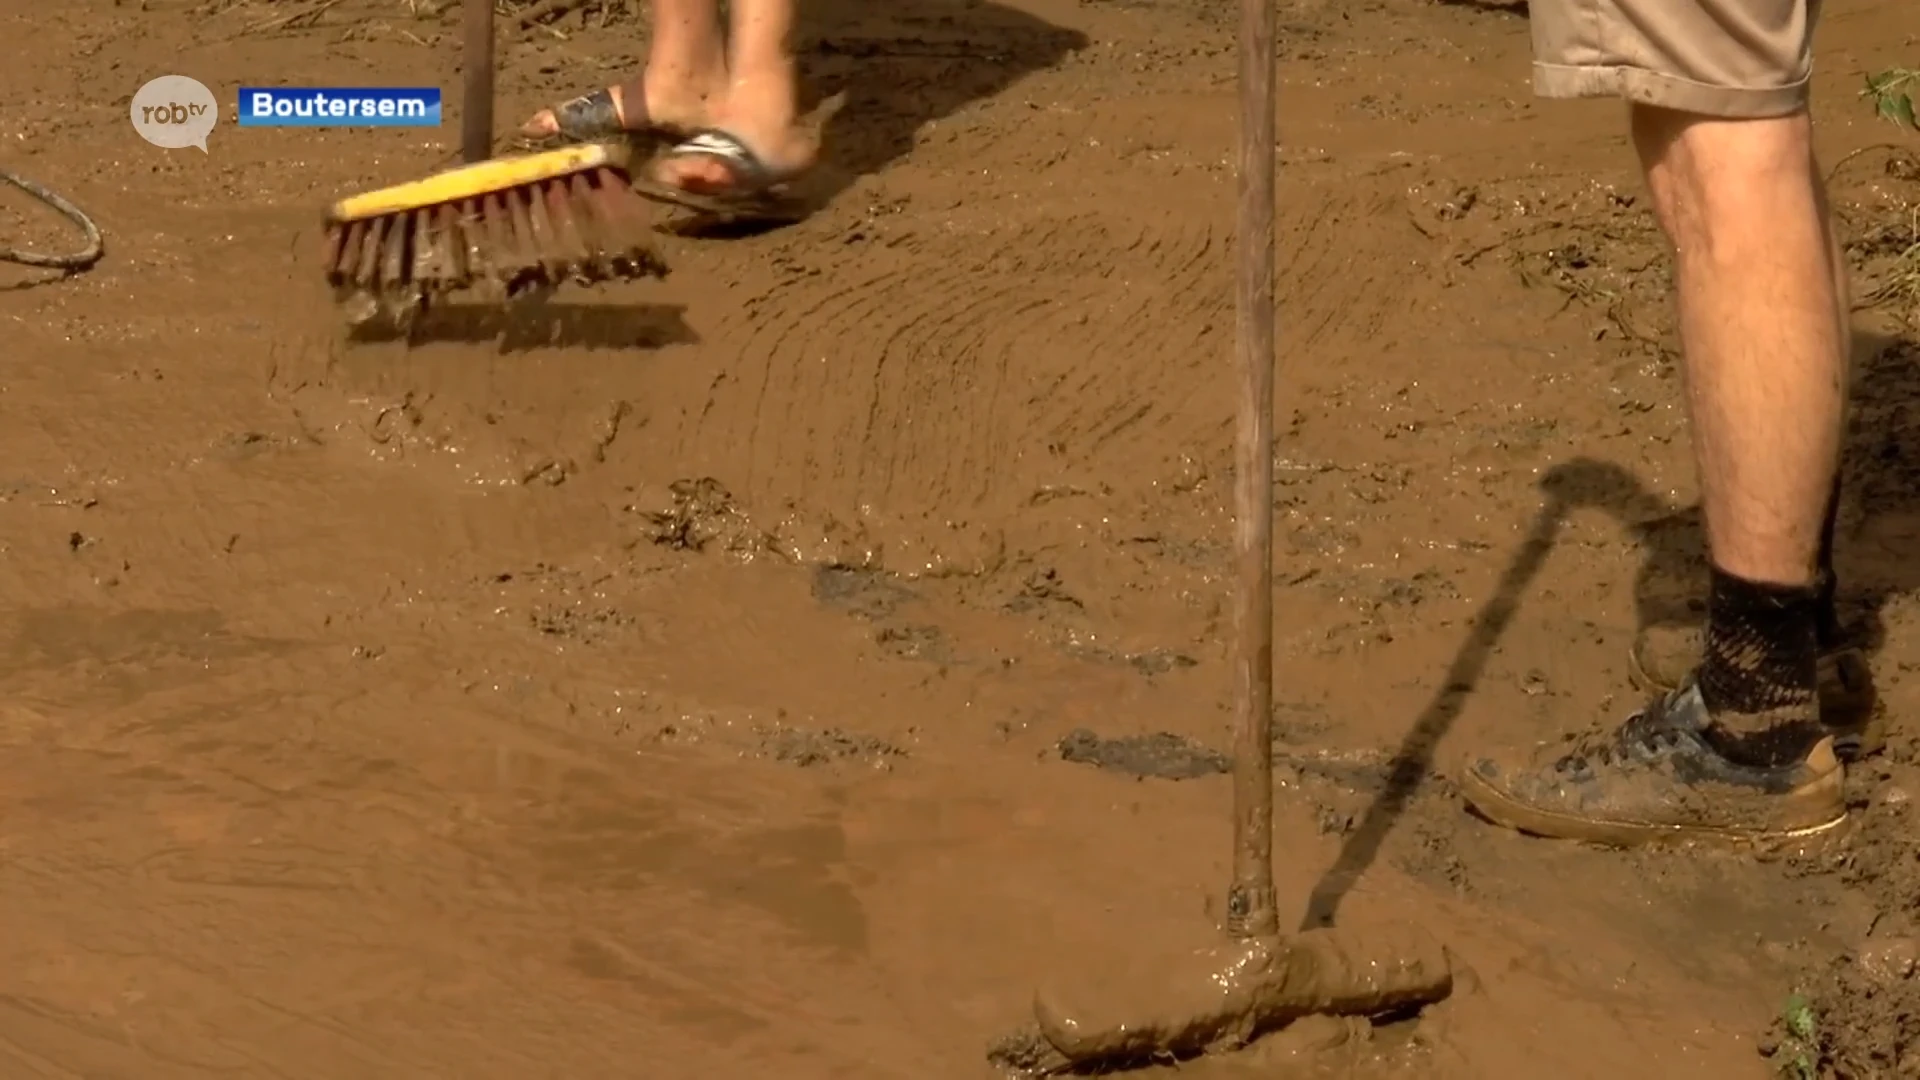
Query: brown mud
point(780, 669)
point(1218, 997)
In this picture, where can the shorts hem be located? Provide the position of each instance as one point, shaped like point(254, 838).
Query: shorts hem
point(1643, 87)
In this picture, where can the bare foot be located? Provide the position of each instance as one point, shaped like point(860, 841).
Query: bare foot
point(738, 159)
point(632, 107)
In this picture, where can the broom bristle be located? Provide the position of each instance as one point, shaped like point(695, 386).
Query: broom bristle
point(586, 227)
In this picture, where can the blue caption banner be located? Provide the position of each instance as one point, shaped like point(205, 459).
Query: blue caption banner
point(340, 106)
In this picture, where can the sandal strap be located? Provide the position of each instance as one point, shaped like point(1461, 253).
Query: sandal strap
point(588, 117)
point(751, 172)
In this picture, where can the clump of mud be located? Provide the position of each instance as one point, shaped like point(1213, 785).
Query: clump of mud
point(1883, 245)
point(699, 514)
point(805, 748)
point(1153, 1009)
point(1857, 1016)
point(1161, 756)
point(801, 747)
point(860, 592)
point(1857, 1022)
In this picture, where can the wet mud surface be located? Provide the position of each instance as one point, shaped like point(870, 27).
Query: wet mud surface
point(783, 668)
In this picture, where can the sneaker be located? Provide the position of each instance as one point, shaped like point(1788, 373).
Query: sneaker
point(1656, 779)
point(1663, 655)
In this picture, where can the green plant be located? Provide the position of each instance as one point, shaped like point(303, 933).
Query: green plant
point(1798, 1057)
point(1891, 92)
point(1893, 247)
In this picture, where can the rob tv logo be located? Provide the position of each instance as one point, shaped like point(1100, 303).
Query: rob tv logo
point(171, 113)
point(174, 111)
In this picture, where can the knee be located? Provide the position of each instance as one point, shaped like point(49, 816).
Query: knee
point(1714, 179)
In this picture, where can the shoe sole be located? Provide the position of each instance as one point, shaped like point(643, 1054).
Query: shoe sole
point(1494, 805)
point(1851, 742)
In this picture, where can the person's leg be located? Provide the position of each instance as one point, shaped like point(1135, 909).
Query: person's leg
point(754, 138)
point(1666, 653)
point(686, 71)
point(1718, 91)
point(1765, 368)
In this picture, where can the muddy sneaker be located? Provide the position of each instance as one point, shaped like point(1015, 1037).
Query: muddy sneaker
point(1664, 655)
point(1655, 779)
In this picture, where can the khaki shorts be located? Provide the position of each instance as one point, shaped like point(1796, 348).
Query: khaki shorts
point(1736, 59)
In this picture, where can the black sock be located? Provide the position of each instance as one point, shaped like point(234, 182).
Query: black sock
point(1759, 675)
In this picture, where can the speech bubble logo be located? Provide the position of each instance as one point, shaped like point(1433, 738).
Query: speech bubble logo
point(174, 112)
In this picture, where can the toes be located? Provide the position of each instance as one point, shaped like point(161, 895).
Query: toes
point(707, 173)
point(697, 173)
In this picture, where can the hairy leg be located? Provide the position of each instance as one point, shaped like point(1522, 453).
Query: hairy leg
point(686, 73)
point(760, 106)
point(1736, 743)
point(1764, 327)
point(687, 64)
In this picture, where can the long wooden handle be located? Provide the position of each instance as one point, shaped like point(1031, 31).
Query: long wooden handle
point(1251, 910)
point(476, 101)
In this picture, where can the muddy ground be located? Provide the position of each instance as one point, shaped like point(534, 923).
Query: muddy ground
point(777, 670)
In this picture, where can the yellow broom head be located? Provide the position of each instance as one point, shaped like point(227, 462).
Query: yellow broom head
point(501, 227)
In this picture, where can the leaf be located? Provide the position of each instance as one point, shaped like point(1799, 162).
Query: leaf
point(1903, 111)
point(1891, 100)
point(1897, 108)
point(1799, 1017)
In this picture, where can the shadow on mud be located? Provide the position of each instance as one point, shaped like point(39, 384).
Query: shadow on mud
point(31, 279)
point(891, 71)
point(905, 66)
point(1880, 503)
point(525, 327)
point(1516, 8)
point(1881, 478)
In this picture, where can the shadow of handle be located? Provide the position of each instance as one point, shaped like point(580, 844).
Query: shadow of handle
point(1582, 482)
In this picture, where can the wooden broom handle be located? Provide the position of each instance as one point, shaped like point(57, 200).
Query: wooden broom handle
point(1251, 910)
point(476, 95)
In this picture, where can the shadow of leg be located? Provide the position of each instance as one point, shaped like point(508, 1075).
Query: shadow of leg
point(902, 66)
point(1579, 483)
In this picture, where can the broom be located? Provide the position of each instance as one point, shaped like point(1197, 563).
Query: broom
point(1154, 1009)
point(504, 227)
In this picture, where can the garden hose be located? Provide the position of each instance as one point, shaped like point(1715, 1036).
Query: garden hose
point(71, 264)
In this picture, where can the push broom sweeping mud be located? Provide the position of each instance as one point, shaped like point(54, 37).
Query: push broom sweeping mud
point(504, 228)
point(1158, 1009)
